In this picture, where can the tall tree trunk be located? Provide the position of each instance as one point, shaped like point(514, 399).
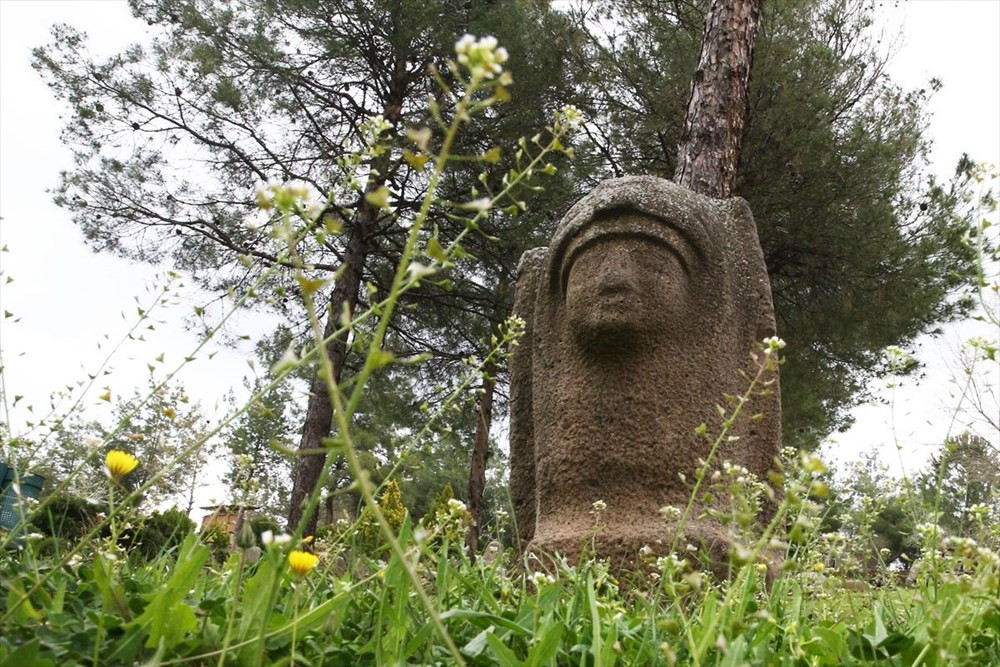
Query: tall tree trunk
point(481, 442)
point(709, 150)
point(319, 411)
point(480, 451)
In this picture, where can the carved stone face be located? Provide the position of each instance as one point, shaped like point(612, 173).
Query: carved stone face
point(643, 312)
point(621, 291)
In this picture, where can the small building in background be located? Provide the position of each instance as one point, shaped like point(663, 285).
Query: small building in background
point(226, 518)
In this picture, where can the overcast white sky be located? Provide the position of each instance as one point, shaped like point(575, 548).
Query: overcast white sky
point(65, 299)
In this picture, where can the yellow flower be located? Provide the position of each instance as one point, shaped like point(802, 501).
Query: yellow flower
point(119, 463)
point(302, 561)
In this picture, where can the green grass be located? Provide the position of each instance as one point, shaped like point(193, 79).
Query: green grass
point(184, 608)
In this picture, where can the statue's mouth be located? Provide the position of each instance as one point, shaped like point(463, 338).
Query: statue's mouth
point(615, 288)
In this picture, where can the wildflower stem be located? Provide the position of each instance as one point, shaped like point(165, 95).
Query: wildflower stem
point(342, 413)
point(768, 363)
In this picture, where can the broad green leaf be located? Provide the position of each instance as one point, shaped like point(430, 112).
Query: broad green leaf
point(545, 650)
point(876, 632)
point(483, 620)
point(505, 657)
point(26, 655)
point(111, 591)
point(168, 617)
point(477, 644)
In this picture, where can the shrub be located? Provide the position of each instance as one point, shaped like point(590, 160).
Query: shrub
point(259, 524)
point(67, 517)
point(217, 540)
point(394, 511)
point(161, 531)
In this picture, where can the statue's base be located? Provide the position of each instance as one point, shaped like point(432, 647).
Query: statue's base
point(634, 551)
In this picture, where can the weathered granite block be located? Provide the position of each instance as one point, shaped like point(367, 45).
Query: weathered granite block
point(640, 316)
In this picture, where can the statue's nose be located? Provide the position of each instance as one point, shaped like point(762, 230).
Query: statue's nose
point(616, 272)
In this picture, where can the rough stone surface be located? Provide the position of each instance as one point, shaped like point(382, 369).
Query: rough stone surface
point(640, 316)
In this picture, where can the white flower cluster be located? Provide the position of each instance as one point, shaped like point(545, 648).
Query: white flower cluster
point(269, 538)
point(372, 129)
point(968, 549)
point(834, 538)
point(571, 117)
point(671, 563)
point(451, 520)
point(539, 578)
point(988, 557)
point(282, 195)
point(738, 473)
point(483, 57)
point(898, 358)
point(670, 513)
point(929, 531)
point(813, 464)
point(980, 510)
point(773, 344)
point(598, 506)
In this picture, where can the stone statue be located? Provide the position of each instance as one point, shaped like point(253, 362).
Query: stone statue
point(639, 317)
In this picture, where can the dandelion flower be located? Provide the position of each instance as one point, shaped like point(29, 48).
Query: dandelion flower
point(119, 463)
point(302, 562)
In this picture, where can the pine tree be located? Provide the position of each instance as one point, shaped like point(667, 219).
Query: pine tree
point(863, 248)
point(277, 90)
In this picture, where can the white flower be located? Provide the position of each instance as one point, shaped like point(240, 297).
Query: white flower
point(773, 344)
point(464, 43)
point(599, 506)
point(269, 538)
point(539, 578)
point(481, 204)
point(671, 562)
point(670, 513)
point(988, 556)
point(571, 116)
point(483, 57)
point(416, 271)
